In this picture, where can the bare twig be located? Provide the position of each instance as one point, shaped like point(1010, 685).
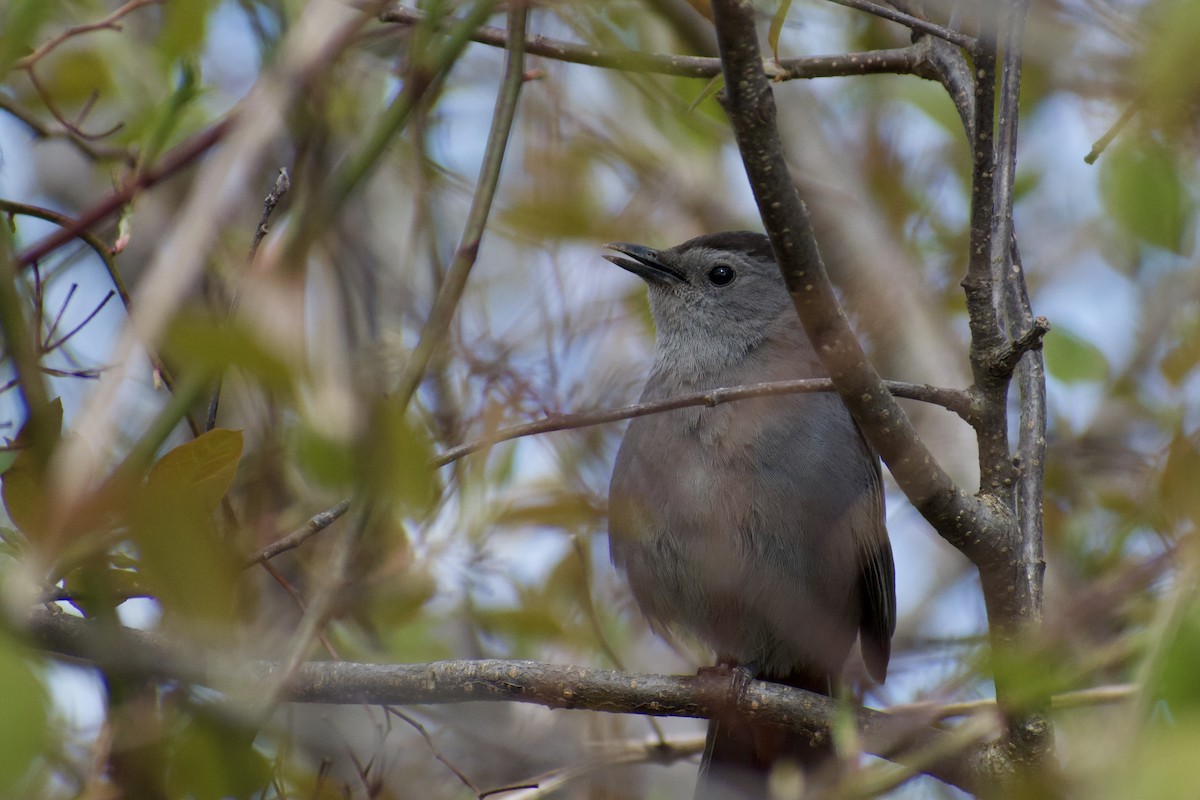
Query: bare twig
point(66, 337)
point(107, 23)
point(909, 21)
point(952, 399)
point(1104, 141)
point(318, 523)
point(72, 126)
point(283, 182)
point(42, 130)
point(902, 60)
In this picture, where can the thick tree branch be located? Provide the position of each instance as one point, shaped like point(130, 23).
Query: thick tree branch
point(960, 757)
point(904, 60)
point(966, 522)
point(954, 400)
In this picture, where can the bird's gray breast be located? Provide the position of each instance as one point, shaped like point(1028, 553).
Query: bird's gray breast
point(732, 523)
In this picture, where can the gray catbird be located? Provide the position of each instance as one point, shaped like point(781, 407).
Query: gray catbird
point(756, 526)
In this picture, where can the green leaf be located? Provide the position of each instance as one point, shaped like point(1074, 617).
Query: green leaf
point(203, 343)
point(1072, 359)
point(23, 721)
point(395, 459)
point(185, 25)
point(183, 561)
point(1143, 192)
point(23, 488)
point(20, 21)
point(777, 26)
point(210, 760)
point(198, 472)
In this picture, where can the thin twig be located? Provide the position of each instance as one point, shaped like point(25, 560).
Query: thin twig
point(954, 400)
point(283, 182)
point(909, 21)
point(41, 130)
point(108, 23)
point(51, 346)
point(1104, 141)
point(902, 60)
point(455, 279)
point(318, 523)
point(433, 748)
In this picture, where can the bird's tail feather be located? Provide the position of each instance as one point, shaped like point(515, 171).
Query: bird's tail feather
point(740, 755)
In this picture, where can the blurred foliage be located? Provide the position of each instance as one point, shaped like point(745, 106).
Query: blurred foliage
point(145, 518)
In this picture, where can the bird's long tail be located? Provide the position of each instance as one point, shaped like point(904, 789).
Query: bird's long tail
point(740, 755)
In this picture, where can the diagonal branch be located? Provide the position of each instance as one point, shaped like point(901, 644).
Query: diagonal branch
point(966, 522)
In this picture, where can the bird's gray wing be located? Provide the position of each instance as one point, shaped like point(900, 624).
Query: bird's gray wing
point(877, 582)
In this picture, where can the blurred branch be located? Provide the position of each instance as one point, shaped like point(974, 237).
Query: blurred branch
point(903, 60)
point(454, 282)
point(107, 23)
point(952, 399)
point(43, 131)
point(965, 521)
point(174, 161)
point(299, 536)
point(283, 182)
point(961, 761)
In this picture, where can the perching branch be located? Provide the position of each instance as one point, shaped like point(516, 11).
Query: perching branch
point(954, 400)
point(960, 757)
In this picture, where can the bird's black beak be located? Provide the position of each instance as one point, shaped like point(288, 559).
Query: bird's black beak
point(645, 263)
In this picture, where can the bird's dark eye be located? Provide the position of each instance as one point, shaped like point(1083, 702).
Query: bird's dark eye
point(721, 275)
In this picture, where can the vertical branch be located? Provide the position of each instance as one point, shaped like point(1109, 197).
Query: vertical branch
point(455, 281)
point(1030, 732)
point(987, 335)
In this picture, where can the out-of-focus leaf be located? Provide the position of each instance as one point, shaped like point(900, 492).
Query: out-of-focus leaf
point(1180, 479)
point(211, 761)
point(23, 488)
point(558, 511)
point(1180, 361)
point(72, 75)
point(395, 462)
point(776, 28)
point(183, 562)
point(185, 24)
point(203, 343)
point(20, 22)
point(1072, 359)
point(328, 462)
point(1168, 82)
point(1142, 190)
point(200, 471)
point(23, 728)
point(525, 624)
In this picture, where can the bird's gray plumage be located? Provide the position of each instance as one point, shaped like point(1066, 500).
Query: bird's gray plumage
point(755, 526)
